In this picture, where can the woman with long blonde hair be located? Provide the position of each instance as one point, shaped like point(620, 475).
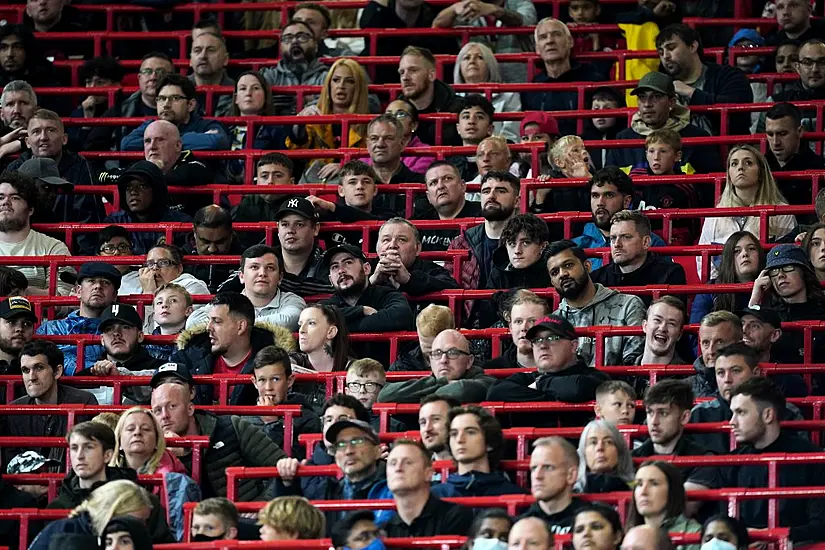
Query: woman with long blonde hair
point(140, 445)
point(748, 182)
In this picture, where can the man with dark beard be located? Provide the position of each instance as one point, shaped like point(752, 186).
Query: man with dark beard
point(299, 65)
point(17, 321)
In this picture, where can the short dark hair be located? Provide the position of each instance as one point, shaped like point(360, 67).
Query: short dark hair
point(25, 35)
point(609, 387)
point(670, 392)
point(740, 348)
point(341, 529)
point(607, 512)
point(159, 55)
point(435, 398)
point(185, 85)
point(12, 281)
point(103, 67)
point(440, 163)
point(174, 251)
point(764, 392)
point(685, 33)
point(348, 401)
point(208, 23)
point(557, 247)
point(292, 22)
point(237, 303)
point(110, 232)
point(95, 431)
point(212, 217)
point(505, 176)
point(323, 10)
point(273, 355)
point(785, 109)
point(53, 354)
point(485, 514)
point(736, 525)
point(493, 435)
point(533, 227)
point(359, 168)
point(612, 175)
point(258, 250)
point(276, 158)
point(478, 100)
point(23, 184)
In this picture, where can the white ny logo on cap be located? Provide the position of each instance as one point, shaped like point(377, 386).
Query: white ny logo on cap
point(293, 203)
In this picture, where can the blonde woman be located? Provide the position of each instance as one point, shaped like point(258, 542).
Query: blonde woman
point(748, 182)
point(115, 498)
point(344, 92)
point(140, 445)
point(291, 518)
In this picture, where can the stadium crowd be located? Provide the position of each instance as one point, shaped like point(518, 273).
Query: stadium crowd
point(357, 258)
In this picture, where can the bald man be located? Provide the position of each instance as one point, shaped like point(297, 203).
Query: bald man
point(453, 374)
point(530, 534)
point(645, 537)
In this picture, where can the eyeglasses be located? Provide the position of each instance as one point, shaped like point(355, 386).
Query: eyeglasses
point(399, 114)
point(357, 442)
point(167, 98)
point(784, 269)
point(301, 38)
point(808, 62)
point(544, 339)
point(150, 72)
point(452, 353)
point(366, 387)
point(159, 264)
point(112, 249)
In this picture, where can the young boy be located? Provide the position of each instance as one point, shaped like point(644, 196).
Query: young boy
point(615, 402)
point(365, 378)
point(91, 446)
point(603, 128)
point(170, 309)
point(214, 519)
point(271, 169)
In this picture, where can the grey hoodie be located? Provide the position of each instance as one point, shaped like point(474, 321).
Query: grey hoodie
point(609, 307)
point(281, 75)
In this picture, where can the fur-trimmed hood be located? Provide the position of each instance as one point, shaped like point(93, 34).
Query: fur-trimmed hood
point(281, 336)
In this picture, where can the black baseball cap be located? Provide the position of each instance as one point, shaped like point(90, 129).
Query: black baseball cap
point(297, 205)
point(333, 431)
point(17, 306)
point(120, 313)
point(168, 371)
point(99, 269)
point(344, 247)
point(556, 324)
point(764, 314)
point(145, 171)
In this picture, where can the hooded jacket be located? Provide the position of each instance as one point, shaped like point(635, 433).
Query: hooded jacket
point(194, 351)
point(470, 388)
point(592, 237)
point(445, 100)
point(281, 75)
point(656, 270)
point(199, 134)
point(504, 275)
point(481, 484)
point(608, 308)
point(133, 526)
point(410, 359)
point(574, 384)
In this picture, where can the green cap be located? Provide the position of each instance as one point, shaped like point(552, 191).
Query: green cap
point(659, 82)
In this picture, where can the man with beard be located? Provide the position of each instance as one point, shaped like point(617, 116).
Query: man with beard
point(17, 321)
point(17, 105)
point(98, 284)
point(121, 335)
point(212, 235)
point(366, 307)
point(446, 196)
point(22, 59)
point(298, 66)
point(611, 191)
point(177, 103)
point(433, 424)
point(585, 304)
point(18, 197)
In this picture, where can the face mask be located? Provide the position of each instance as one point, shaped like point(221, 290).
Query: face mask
point(717, 544)
point(481, 543)
point(376, 544)
point(206, 538)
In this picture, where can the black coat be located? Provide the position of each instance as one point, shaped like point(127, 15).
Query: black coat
point(444, 101)
point(560, 101)
point(656, 270)
point(437, 518)
point(723, 84)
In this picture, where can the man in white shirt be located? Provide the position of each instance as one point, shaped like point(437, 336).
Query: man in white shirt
point(18, 196)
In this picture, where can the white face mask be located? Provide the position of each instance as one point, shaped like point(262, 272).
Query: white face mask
point(717, 544)
point(482, 543)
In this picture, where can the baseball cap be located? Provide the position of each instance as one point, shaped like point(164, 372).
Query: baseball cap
point(546, 122)
point(121, 313)
point(335, 429)
point(788, 254)
point(99, 269)
point(556, 324)
point(28, 462)
point(750, 35)
point(171, 370)
point(764, 314)
point(297, 205)
point(144, 171)
point(45, 170)
point(343, 247)
point(17, 306)
point(659, 82)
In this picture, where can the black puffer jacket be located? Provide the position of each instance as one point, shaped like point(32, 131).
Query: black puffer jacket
point(444, 101)
point(504, 275)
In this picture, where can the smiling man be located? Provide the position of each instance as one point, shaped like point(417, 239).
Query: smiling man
point(434, 426)
point(663, 330)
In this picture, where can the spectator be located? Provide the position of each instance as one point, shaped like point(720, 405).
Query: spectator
point(788, 153)
point(227, 344)
point(171, 307)
point(615, 402)
point(407, 114)
point(212, 235)
point(535, 126)
point(337, 408)
point(476, 64)
point(18, 103)
point(717, 330)
point(645, 537)
point(785, 57)
point(520, 313)
point(757, 407)
point(659, 109)
point(305, 272)
point(144, 198)
point(492, 154)
point(23, 60)
point(795, 23)
point(243, 443)
point(605, 463)
point(270, 169)
point(319, 18)
point(253, 97)
point(343, 92)
point(446, 192)
point(735, 364)
point(365, 378)
point(164, 264)
point(98, 283)
point(603, 127)
point(530, 532)
point(291, 518)
point(177, 103)
point(554, 465)
point(385, 144)
point(453, 374)
point(751, 64)
point(611, 191)
point(561, 374)
point(568, 159)
point(298, 64)
point(57, 17)
point(812, 244)
point(154, 67)
point(208, 59)
point(585, 303)
point(749, 182)
point(12, 282)
point(41, 364)
point(662, 327)
point(140, 445)
point(434, 425)
point(101, 71)
point(214, 519)
point(260, 273)
point(699, 83)
point(428, 94)
point(17, 321)
point(521, 257)
point(475, 123)
point(419, 512)
point(597, 526)
point(357, 530)
point(663, 157)
point(762, 332)
point(429, 323)
point(633, 264)
point(114, 241)
point(554, 44)
point(724, 528)
point(490, 529)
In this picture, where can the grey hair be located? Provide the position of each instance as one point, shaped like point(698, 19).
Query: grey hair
point(624, 466)
point(565, 28)
point(387, 119)
point(18, 86)
point(403, 221)
point(493, 69)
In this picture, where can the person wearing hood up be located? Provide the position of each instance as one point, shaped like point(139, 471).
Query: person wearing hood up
point(144, 199)
point(658, 109)
point(751, 64)
point(125, 533)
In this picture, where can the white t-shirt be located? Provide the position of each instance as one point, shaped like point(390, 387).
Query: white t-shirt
point(38, 244)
